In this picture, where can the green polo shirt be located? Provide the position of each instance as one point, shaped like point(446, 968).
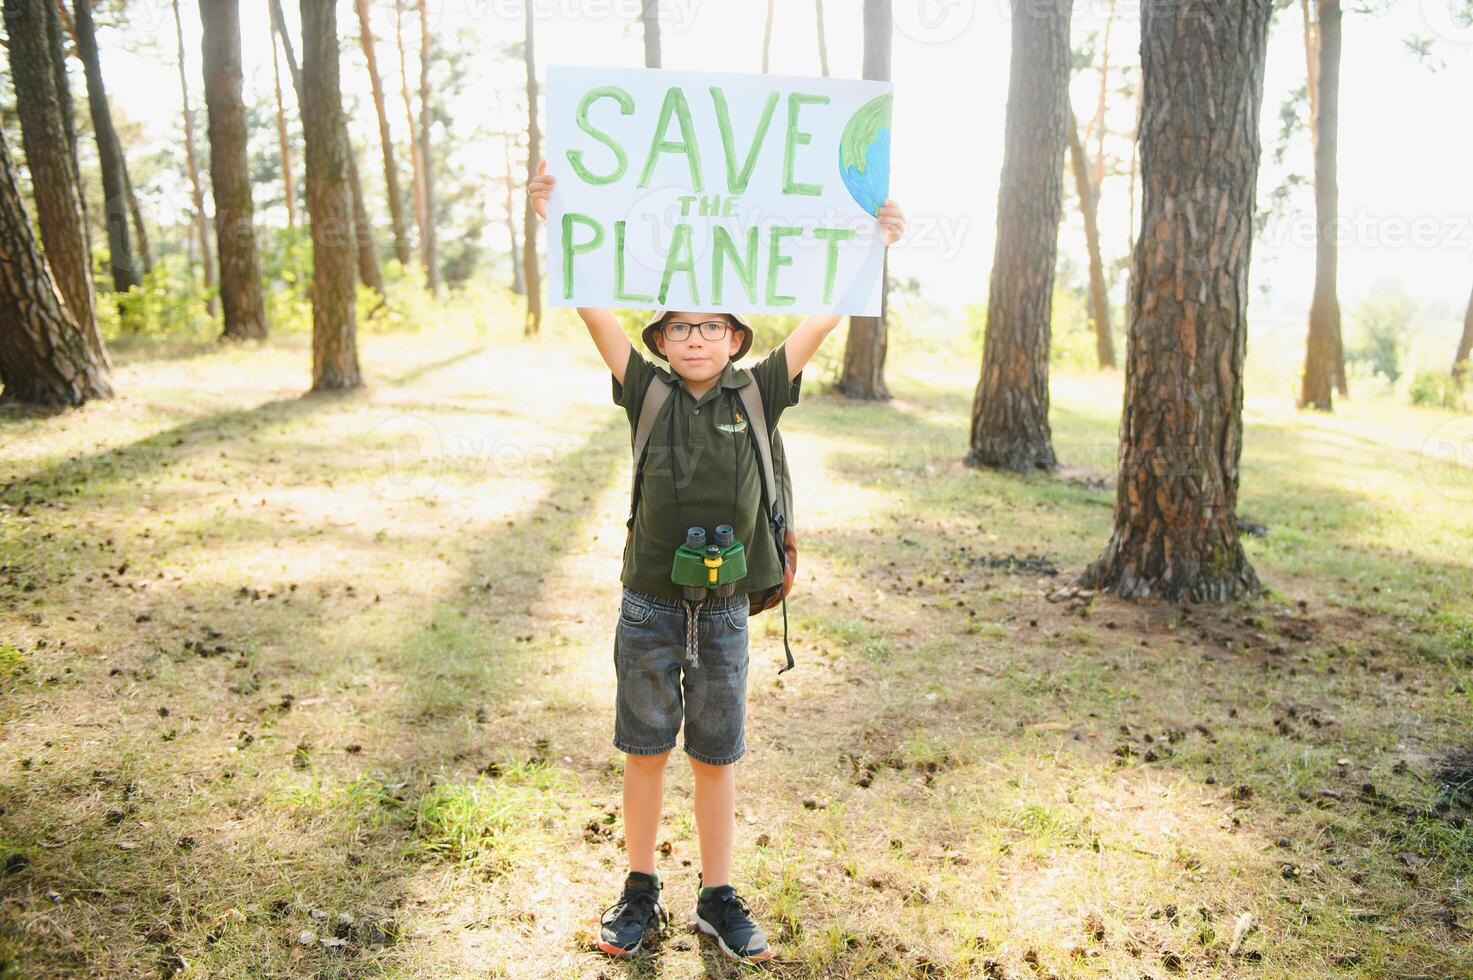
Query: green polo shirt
point(702, 470)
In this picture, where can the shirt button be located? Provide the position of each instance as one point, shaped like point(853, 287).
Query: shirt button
point(696, 412)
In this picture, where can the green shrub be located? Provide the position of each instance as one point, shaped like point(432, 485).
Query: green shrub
point(1438, 389)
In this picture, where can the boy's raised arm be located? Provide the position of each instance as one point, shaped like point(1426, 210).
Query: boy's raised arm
point(608, 336)
point(603, 327)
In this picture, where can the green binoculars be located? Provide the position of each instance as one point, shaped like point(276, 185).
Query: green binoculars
point(715, 568)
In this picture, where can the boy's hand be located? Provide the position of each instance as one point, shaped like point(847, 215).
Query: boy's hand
point(539, 188)
point(892, 221)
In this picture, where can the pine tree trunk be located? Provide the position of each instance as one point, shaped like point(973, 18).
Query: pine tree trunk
point(56, 34)
point(386, 138)
point(329, 203)
point(1322, 351)
point(191, 159)
point(369, 272)
point(1465, 344)
point(414, 162)
point(127, 270)
point(767, 39)
point(240, 269)
point(530, 270)
point(283, 137)
point(518, 286)
point(649, 18)
point(823, 42)
point(429, 242)
point(57, 193)
point(45, 357)
point(140, 233)
point(1099, 297)
point(863, 373)
point(1181, 432)
point(1010, 428)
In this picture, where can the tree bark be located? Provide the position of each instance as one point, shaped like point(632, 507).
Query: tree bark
point(283, 137)
point(45, 357)
point(56, 25)
point(1465, 344)
point(414, 161)
point(1181, 431)
point(329, 203)
point(1089, 206)
point(823, 42)
point(57, 193)
point(240, 269)
point(127, 271)
point(1322, 350)
point(649, 18)
point(386, 138)
point(429, 241)
point(863, 373)
point(191, 159)
point(1010, 428)
point(530, 270)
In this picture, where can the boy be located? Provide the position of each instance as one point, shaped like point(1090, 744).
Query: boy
point(701, 470)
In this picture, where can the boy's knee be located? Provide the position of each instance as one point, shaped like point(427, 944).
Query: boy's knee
point(707, 767)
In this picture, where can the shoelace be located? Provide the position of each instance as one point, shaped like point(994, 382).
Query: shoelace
point(734, 901)
point(643, 904)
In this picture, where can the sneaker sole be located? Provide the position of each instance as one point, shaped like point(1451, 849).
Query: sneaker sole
point(613, 950)
point(710, 930)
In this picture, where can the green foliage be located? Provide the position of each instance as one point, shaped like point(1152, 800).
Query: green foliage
point(1382, 326)
point(1438, 389)
point(171, 301)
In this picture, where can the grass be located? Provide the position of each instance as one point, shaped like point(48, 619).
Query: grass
point(321, 686)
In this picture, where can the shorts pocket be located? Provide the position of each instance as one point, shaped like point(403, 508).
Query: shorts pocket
point(736, 617)
point(632, 612)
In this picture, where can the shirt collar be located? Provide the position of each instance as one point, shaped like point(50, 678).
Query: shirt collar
point(731, 376)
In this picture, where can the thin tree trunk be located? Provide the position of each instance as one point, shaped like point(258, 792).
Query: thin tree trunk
point(429, 241)
point(823, 42)
point(369, 272)
point(1465, 344)
point(1089, 206)
point(518, 286)
point(127, 270)
point(530, 270)
point(57, 21)
point(1101, 129)
point(140, 233)
point(386, 138)
point(56, 190)
point(863, 373)
point(767, 39)
point(240, 269)
point(1181, 432)
point(414, 161)
point(1010, 427)
point(283, 137)
point(329, 203)
point(191, 160)
point(649, 18)
point(45, 357)
point(1324, 311)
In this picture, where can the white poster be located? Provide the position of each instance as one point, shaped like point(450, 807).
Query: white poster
point(714, 191)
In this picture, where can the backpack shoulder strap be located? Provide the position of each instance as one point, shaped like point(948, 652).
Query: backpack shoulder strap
point(756, 414)
point(655, 395)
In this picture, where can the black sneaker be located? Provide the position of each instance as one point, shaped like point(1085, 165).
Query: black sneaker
point(623, 924)
point(724, 915)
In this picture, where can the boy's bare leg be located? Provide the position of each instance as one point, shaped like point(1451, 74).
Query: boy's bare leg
point(644, 792)
point(715, 819)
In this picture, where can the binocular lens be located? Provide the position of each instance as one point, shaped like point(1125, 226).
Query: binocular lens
point(724, 534)
point(695, 538)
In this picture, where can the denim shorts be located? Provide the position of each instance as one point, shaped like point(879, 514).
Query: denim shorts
point(656, 687)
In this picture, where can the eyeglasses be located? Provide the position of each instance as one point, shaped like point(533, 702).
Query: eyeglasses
point(710, 329)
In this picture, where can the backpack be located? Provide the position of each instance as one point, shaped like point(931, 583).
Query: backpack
point(777, 488)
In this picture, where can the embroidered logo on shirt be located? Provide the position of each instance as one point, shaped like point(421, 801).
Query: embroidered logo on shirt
point(740, 425)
